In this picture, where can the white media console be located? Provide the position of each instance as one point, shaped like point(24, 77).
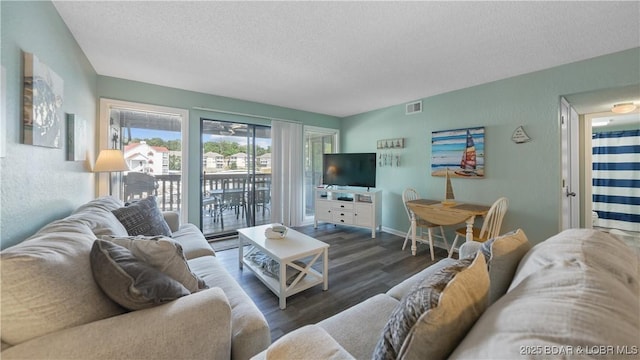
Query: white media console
point(349, 207)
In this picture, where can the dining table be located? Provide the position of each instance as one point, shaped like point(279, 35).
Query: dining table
point(437, 213)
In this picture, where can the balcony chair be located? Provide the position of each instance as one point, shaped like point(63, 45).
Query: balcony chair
point(490, 227)
point(233, 198)
point(411, 194)
point(138, 185)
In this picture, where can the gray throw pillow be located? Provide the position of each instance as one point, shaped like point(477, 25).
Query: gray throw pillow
point(129, 281)
point(164, 254)
point(437, 313)
point(143, 217)
point(503, 254)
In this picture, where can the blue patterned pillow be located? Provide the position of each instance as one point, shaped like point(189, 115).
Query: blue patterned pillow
point(143, 218)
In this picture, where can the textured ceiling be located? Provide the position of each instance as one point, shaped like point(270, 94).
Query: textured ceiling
point(341, 58)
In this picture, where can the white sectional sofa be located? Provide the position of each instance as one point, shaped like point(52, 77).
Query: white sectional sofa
point(53, 309)
point(575, 295)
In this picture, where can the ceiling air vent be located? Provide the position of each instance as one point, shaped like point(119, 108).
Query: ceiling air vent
point(414, 107)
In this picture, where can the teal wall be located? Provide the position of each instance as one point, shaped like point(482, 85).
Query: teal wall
point(119, 89)
point(528, 174)
point(37, 184)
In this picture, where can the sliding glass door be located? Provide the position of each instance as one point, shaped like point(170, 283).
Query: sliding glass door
point(235, 176)
point(317, 141)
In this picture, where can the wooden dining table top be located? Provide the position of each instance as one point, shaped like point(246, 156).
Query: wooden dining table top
point(436, 213)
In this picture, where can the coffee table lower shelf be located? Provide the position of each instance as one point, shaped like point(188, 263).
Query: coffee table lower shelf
point(311, 279)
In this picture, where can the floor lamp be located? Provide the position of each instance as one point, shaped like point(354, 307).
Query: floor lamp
point(110, 160)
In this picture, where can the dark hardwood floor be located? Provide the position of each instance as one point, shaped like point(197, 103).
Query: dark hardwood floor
point(359, 267)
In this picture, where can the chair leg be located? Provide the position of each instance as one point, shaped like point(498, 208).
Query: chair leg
point(444, 238)
point(453, 246)
point(406, 238)
point(430, 231)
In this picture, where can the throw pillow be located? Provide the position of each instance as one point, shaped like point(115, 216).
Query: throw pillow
point(437, 313)
point(503, 254)
point(143, 218)
point(129, 281)
point(164, 254)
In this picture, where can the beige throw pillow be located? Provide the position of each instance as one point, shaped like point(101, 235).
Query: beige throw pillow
point(164, 254)
point(434, 317)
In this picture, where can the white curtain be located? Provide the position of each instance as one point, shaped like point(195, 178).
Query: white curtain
point(287, 173)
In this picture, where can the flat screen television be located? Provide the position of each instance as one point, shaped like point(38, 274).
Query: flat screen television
point(349, 169)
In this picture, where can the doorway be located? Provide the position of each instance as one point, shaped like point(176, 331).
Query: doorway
point(235, 177)
point(601, 204)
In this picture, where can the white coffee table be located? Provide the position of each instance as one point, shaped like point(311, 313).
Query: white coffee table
point(295, 246)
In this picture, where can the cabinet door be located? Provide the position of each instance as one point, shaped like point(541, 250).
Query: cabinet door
point(323, 210)
point(364, 215)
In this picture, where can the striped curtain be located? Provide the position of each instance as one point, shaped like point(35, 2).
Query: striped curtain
point(616, 179)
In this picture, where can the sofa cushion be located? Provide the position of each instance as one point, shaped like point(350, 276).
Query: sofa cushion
point(164, 254)
point(431, 319)
point(358, 328)
point(309, 341)
point(143, 217)
point(574, 291)
point(98, 216)
point(193, 242)
point(503, 254)
point(249, 328)
point(46, 283)
point(129, 281)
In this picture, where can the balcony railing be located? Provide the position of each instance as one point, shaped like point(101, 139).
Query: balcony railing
point(167, 188)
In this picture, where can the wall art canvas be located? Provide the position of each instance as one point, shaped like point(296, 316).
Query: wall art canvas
point(43, 119)
point(461, 151)
point(76, 138)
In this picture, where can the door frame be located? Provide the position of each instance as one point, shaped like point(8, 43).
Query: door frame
point(570, 192)
point(104, 139)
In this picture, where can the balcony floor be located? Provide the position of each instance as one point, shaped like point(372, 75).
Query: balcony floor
point(211, 226)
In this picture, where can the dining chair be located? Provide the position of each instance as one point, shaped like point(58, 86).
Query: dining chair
point(411, 194)
point(490, 227)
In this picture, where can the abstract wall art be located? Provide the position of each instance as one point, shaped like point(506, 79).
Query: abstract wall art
point(461, 151)
point(43, 118)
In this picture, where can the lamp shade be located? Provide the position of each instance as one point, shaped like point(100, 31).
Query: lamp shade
point(110, 160)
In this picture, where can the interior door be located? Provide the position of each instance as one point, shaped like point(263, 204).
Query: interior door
point(570, 188)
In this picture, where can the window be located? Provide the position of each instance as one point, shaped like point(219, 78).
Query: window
point(152, 139)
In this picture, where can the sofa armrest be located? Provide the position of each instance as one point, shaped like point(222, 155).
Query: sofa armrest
point(173, 220)
point(469, 249)
point(307, 342)
point(193, 326)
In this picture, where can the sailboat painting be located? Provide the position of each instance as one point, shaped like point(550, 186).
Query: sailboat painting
point(461, 151)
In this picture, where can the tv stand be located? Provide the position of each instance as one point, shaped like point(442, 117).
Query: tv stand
point(349, 207)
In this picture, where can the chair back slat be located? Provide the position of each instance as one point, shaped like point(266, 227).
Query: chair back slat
point(493, 220)
point(407, 195)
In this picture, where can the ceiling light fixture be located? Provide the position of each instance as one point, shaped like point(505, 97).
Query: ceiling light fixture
point(623, 108)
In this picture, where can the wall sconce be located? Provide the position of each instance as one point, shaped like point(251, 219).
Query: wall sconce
point(623, 108)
